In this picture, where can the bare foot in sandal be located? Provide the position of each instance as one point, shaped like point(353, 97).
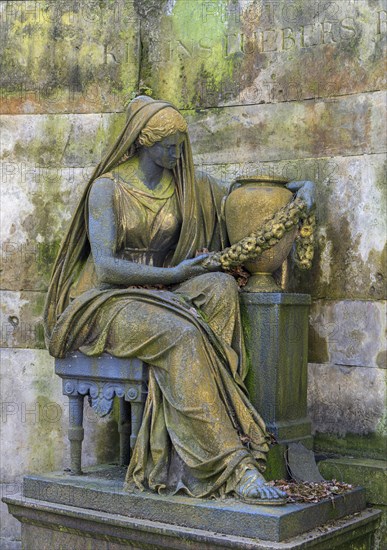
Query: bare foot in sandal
point(252, 489)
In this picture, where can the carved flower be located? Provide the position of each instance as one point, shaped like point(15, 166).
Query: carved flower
point(278, 230)
point(306, 231)
point(249, 244)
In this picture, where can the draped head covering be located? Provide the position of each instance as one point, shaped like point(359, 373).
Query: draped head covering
point(75, 247)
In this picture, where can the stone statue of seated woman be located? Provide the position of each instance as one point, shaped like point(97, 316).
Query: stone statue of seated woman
point(127, 282)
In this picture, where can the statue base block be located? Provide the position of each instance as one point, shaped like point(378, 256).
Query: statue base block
point(62, 511)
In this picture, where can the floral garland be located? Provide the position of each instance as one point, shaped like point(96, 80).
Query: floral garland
point(283, 221)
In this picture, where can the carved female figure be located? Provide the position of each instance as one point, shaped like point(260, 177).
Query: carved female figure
point(126, 282)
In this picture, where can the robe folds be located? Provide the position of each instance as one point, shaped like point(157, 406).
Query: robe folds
point(199, 429)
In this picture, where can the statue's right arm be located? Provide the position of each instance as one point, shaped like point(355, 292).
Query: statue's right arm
point(109, 267)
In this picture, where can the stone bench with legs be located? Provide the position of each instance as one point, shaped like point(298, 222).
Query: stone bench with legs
point(101, 379)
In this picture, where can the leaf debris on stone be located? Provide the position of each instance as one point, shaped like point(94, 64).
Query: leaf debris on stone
point(310, 492)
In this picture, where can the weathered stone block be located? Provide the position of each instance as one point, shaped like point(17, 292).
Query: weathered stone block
point(348, 333)
point(372, 445)
point(341, 126)
point(68, 56)
point(21, 319)
point(212, 53)
point(367, 473)
point(347, 400)
point(370, 474)
point(54, 142)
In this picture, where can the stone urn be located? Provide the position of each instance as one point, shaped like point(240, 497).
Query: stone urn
point(251, 202)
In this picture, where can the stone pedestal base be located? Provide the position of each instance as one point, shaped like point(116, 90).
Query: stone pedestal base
point(61, 511)
point(276, 335)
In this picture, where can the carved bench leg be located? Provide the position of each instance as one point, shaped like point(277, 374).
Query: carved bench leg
point(76, 432)
point(124, 431)
point(137, 410)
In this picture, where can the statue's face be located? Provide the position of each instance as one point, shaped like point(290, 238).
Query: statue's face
point(167, 152)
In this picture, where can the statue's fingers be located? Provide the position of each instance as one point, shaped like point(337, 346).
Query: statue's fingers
point(199, 259)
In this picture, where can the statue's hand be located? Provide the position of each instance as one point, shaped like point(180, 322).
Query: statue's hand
point(212, 263)
point(305, 190)
point(190, 268)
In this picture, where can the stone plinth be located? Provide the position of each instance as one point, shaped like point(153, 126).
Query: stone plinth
point(276, 335)
point(62, 511)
